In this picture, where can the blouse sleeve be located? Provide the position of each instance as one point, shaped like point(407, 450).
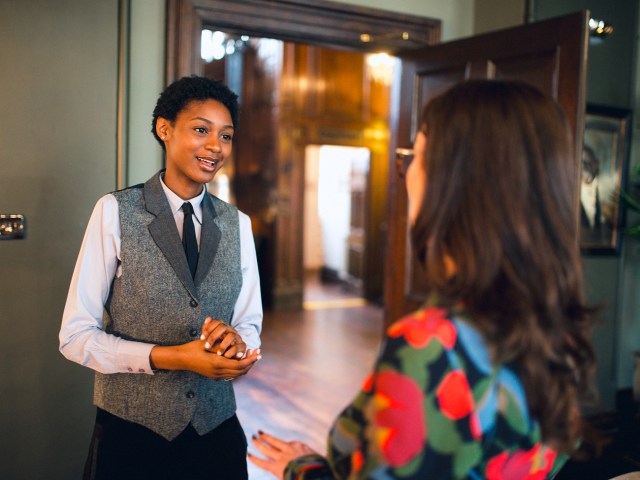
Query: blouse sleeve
point(416, 414)
point(309, 467)
point(413, 417)
point(434, 407)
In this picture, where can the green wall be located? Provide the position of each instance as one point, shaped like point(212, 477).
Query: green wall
point(145, 82)
point(611, 281)
point(59, 97)
point(58, 70)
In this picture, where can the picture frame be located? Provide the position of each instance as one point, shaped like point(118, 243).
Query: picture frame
point(604, 166)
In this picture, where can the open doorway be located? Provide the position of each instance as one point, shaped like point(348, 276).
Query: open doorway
point(334, 233)
point(300, 102)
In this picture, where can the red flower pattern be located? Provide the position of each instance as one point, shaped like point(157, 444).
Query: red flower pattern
point(357, 461)
point(476, 429)
point(534, 464)
point(424, 325)
point(399, 418)
point(454, 395)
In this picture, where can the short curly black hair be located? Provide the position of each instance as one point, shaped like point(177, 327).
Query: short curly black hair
point(180, 93)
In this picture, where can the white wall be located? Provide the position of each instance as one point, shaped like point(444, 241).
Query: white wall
point(312, 235)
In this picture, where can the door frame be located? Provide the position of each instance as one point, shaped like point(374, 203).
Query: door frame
point(315, 22)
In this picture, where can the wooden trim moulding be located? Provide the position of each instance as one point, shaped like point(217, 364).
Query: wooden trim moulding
point(318, 22)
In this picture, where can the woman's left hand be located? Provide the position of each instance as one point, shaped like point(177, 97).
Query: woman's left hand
point(278, 453)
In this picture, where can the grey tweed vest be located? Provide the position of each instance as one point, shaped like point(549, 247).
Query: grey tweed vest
point(155, 300)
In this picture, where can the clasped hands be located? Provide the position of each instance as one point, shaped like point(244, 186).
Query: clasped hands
point(219, 353)
point(226, 342)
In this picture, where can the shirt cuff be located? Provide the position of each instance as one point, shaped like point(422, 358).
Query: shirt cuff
point(133, 357)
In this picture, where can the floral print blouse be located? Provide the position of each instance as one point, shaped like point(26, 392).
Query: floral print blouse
point(435, 407)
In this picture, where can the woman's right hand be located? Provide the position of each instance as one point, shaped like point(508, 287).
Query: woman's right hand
point(277, 452)
point(193, 357)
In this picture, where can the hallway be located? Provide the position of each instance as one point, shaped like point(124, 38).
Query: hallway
point(313, 363)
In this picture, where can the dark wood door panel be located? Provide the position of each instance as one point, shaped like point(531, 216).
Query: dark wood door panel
point(431, 82)
point(540, 69)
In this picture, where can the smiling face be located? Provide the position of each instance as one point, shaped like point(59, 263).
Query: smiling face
point(197, 145)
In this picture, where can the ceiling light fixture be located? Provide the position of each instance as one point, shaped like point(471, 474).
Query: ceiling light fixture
point(368, 38)
point(599, 30)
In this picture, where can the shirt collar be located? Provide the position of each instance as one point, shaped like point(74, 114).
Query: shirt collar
point(175, 202)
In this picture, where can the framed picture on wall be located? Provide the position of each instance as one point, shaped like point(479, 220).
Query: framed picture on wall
point(604, 165)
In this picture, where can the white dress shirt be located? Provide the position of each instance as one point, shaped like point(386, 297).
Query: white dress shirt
point(82, 338)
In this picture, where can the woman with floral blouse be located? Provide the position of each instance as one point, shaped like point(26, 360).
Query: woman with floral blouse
point(484, 381)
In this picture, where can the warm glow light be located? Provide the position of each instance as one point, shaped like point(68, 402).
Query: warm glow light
point(212, 45)
point(598, 30)
point(381, 67)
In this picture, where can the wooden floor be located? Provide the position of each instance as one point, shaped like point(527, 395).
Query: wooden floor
point(313, 363)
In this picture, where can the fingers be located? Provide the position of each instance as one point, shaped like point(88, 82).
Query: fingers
point(220, 338)
point(261, 463)
point(278, 453)
point(231, 346)
point(235, 351)
point(214, 330)
point(228, 369)
point(273, 442)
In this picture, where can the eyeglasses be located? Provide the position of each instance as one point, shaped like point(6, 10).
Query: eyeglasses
point(404, 157)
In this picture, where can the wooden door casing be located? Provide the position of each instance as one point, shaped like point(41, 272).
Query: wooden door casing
point(551, 55)
point(314, 23)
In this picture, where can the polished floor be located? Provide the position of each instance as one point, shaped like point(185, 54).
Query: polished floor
point(313, 363)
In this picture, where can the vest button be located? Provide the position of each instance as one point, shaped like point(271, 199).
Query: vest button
point(190, 394)
point(193, 332)
point(193, 303)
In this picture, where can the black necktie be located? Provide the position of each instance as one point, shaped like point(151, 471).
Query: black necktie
point(189, 241)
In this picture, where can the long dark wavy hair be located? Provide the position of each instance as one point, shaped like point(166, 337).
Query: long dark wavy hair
point(501, 206)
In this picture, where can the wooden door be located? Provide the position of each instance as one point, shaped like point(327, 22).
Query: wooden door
point(550, 55)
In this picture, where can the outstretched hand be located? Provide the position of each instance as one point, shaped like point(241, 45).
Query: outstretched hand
point(278, 453)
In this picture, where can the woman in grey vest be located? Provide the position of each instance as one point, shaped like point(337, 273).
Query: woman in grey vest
point(164, 304)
